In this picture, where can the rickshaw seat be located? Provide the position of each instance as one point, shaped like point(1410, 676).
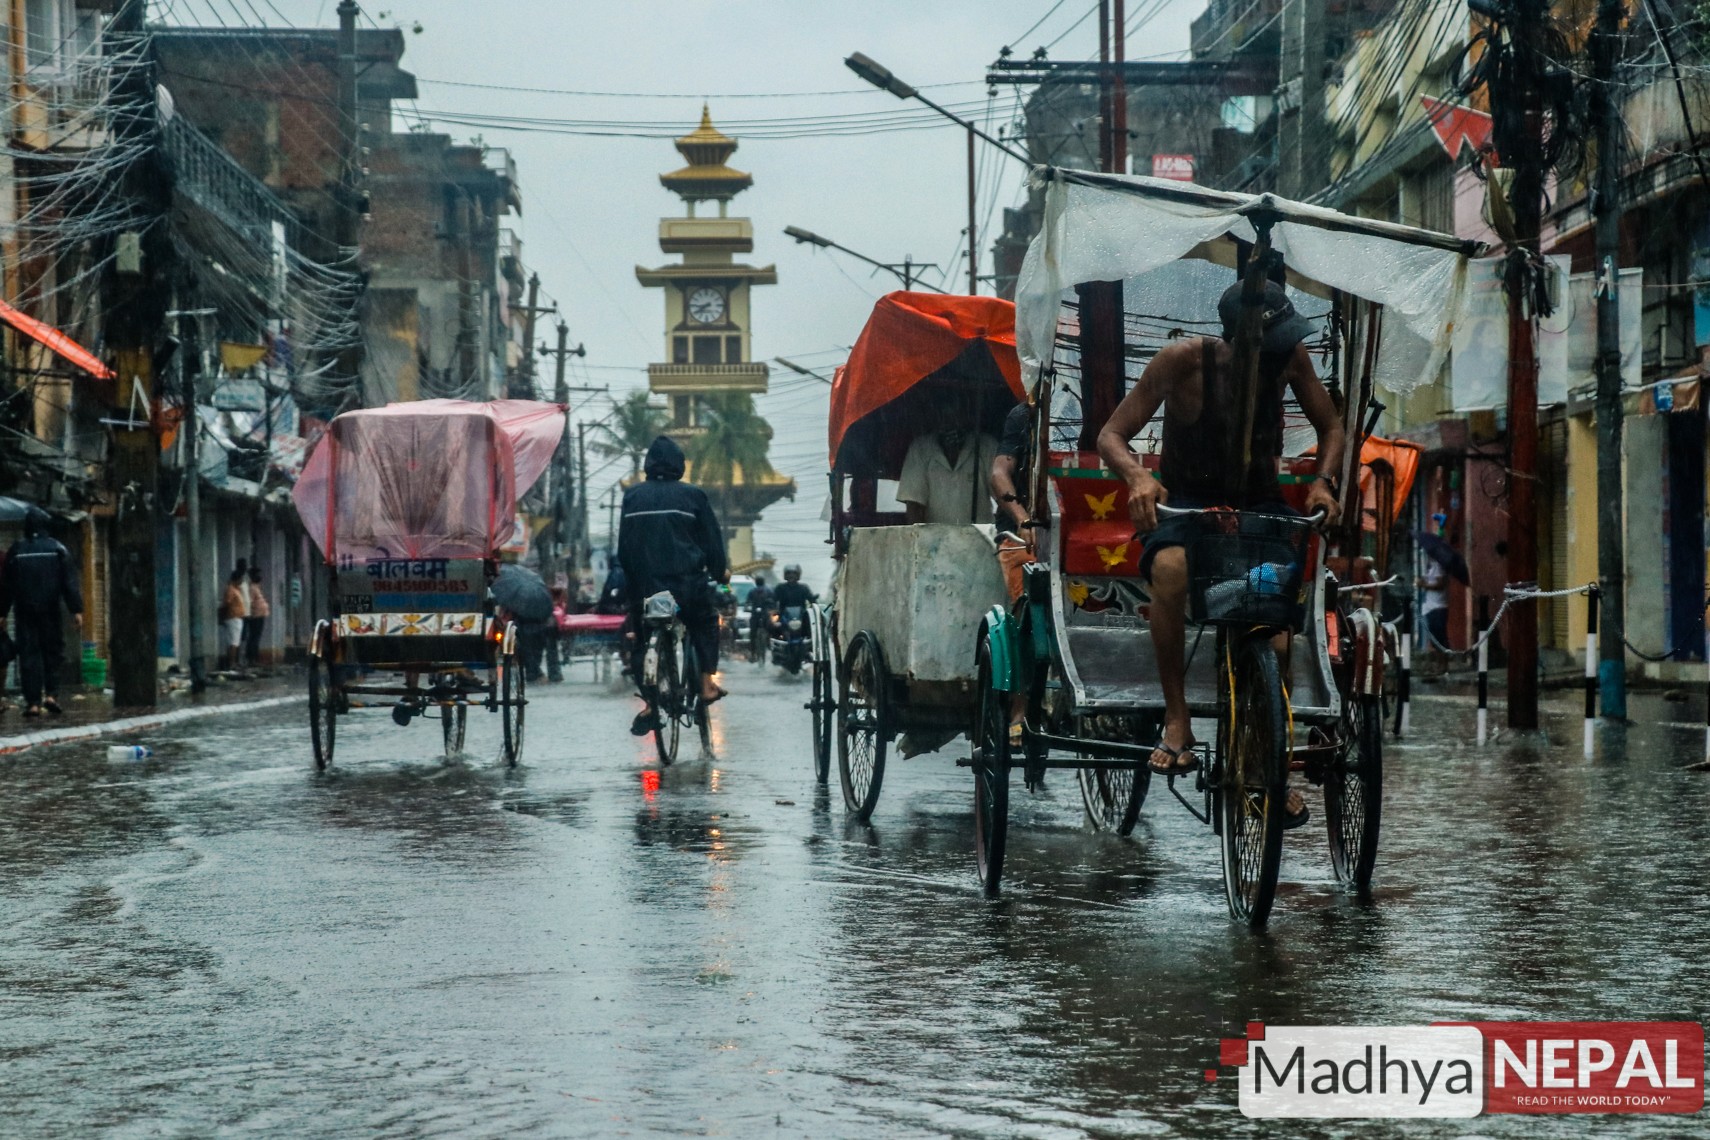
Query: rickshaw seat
point(1097, 534)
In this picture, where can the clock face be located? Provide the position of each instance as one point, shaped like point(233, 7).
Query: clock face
point(706, 305)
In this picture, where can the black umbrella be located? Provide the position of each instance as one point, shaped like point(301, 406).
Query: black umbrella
point(12, 510)
point(521, 591)
point(1439, 551)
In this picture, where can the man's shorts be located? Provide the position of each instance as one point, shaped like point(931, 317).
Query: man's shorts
point(1178, 530)
point(234, 632)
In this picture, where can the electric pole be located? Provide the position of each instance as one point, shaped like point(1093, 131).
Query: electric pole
point(1606, 202)
point(352, 206)
point(1102, 349)
point(561, 457)
point(135, 297)
point(1514, 64)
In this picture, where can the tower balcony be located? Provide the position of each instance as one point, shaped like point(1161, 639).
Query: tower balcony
point(749, 377)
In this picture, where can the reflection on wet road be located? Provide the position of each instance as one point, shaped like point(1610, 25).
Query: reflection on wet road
point(216, 940)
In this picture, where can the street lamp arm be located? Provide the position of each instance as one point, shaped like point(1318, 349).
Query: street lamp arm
point(808, 237)
point(880, 76)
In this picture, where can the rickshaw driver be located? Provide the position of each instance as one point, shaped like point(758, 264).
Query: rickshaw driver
point(1192, 380)
point(670, 539)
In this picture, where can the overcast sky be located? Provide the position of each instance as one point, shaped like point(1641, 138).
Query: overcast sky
point(591, 205)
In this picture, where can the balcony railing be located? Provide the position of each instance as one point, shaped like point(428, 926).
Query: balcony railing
point(218, 183)
point(741, 377)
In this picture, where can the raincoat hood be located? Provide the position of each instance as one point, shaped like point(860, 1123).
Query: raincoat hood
point(35, 522)
point(664, 460)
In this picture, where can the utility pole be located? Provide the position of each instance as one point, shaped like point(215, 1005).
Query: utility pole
point(1525, 156)
point(1102, 348)
point(526, 389)
point(1611, 560)
point(561, 457)
point(1118, 89)
point(352, 205)
point(585, 552)
point(973, 237)
point(134, 299)
point(189, 368)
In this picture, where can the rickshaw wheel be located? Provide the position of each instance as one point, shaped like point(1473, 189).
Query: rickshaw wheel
point(512, 705)
point(453, 720)
point(864, 725)
point(822, 708)
point(1114, 796)
point(1254, 788)
point(666, 699)
point(991, 777)
point(323, 717)
point(1353, 797)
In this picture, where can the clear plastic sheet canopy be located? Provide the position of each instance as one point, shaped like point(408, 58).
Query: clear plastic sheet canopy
point(425, 479)
point(1112, 227)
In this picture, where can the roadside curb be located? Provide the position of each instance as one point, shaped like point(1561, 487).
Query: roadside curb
point(12, 744)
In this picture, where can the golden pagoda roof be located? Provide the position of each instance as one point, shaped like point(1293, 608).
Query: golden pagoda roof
point(707, 177)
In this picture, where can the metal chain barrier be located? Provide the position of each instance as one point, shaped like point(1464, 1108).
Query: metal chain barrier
point(1510, 595)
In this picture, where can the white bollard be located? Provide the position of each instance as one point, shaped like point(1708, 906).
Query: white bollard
point(1483, 675)
point(1405, 689)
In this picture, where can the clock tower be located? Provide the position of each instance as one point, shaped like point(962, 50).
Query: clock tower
point(707, 324)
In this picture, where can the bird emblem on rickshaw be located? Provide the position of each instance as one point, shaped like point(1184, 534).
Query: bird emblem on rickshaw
point(1101, 508)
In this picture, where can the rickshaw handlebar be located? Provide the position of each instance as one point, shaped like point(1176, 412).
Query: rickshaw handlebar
point(1165, 509)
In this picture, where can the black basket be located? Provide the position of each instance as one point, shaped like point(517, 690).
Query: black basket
point(1248, 570)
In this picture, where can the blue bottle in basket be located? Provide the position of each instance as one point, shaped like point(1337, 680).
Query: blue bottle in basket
point(1268, 578)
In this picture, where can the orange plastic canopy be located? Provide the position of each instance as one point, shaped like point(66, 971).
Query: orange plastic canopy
point(63, 346)
point(908, 338)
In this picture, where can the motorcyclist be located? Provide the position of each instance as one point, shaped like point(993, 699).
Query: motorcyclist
point(791, 591)
point(38, 576)
point(669, 539)
point(759, 603)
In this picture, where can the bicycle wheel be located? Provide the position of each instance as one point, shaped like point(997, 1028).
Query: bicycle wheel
point(864, 725)
point(1255, 745)
point(667, 696)
point(695, 709)
point(512, 705)
point(991, 777)
point(323, 716)
point(822, 707)
point(1353, 796)
point(453, 720)
point(1114, 796)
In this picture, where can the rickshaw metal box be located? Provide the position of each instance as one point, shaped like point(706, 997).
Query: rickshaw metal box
point(923, 590)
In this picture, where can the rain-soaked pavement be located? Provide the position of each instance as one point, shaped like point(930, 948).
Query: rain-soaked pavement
point(218, 941)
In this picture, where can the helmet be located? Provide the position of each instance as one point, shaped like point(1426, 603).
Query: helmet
point(792, 573)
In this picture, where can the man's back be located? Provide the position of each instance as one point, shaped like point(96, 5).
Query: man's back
point(792, 594)
point(668, 536)
point(38, 574)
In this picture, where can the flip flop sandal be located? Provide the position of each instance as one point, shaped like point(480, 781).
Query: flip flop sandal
point(51, 704)
point(1180, 767)
point(722, 693)
point(1296, 819)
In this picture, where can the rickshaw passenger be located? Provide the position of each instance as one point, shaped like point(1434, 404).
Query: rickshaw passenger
point(941, 474)
point(1192, 380)
point(669, 539)
point(1008, 484)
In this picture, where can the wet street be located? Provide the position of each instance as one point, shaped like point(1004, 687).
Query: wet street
point(218, 941)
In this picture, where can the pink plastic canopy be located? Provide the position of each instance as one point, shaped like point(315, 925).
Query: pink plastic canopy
point(426, 478)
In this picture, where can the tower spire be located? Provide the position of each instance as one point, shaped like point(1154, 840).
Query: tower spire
point(707, 150)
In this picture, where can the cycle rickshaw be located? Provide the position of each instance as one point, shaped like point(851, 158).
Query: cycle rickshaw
point(893, 661)
point(1146, 259)
point(409, 505)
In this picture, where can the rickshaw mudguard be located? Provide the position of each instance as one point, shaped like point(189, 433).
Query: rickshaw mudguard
point(1001, 635)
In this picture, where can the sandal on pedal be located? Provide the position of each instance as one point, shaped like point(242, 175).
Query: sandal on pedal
point(1183, 760)
point(713, 700)
point(1294, 819)
point(645, 722)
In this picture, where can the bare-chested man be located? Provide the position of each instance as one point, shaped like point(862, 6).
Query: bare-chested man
point(1201, 467)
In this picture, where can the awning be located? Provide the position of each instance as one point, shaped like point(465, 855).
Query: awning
point(57, 342)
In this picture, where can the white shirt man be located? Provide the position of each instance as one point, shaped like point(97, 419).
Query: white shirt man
point(944, 478)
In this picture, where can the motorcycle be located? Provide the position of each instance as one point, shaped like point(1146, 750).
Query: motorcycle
point(790, 643)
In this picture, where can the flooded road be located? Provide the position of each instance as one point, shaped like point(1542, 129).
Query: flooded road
point(217, 940)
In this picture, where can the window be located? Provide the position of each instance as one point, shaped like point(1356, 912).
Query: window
point(706, 350)
point(682, 411)
point(679, 350)
point(733, 350)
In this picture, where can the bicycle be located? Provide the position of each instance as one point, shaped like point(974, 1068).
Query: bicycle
point(669, 678)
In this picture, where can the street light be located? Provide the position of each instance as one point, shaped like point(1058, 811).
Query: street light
point(904, 269)
point(881, 77)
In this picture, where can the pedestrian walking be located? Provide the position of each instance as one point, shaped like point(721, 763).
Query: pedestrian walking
point(234, 608)
point(256, 621)
point(36, 579)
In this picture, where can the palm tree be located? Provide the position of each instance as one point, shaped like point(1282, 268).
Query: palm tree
point(634, 424)
point(733, 441)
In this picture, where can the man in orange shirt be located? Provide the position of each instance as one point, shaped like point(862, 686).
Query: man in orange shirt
point(256, 620)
